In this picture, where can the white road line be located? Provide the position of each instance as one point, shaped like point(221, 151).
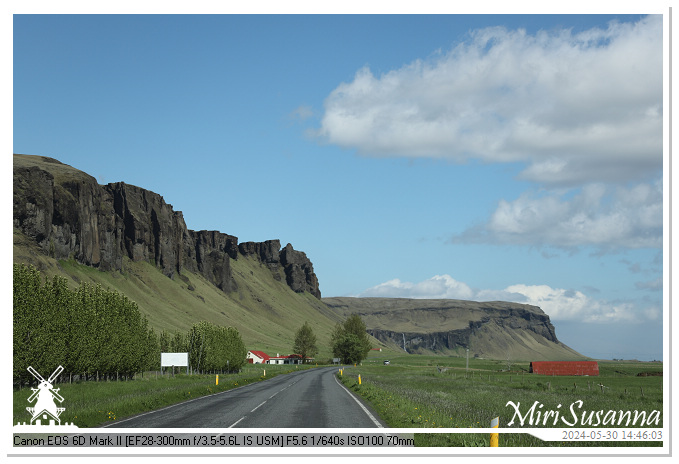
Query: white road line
point(258, 406)
point(372, 418)
point(231, 426)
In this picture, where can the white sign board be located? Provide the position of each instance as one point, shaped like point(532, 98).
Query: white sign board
point(174, 359)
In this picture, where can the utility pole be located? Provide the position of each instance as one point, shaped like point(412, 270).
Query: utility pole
point(467, 361)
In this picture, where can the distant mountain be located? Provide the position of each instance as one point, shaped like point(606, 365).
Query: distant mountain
point(496, 330)
point(129, 239)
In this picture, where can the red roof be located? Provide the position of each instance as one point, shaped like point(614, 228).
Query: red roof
point(564, 367)
point(261, 354)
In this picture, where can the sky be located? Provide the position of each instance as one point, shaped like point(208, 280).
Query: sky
point(481, 157)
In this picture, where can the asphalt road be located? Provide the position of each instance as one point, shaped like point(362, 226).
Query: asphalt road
point(311, 398)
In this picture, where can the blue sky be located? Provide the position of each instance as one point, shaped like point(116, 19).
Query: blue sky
point(485, 157)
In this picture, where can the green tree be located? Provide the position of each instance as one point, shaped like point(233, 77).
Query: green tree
point(305, 342)
point(164, 341)
point(213, 348)
point(178, 343)
point(88, 331)
point(350, 340)
point(348, 349)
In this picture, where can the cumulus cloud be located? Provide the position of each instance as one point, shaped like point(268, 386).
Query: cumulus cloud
point(576, 107)
point(562, 304)
point(439, 286)
point(601, 216)
point(558, 303)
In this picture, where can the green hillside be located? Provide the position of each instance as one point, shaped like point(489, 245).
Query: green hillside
point(264, 309)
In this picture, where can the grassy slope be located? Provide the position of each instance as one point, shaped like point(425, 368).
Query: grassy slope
point(264, 310)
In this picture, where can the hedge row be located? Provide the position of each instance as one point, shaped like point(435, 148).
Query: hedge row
point(98, 333)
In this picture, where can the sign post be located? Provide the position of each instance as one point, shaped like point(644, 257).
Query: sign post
point(494, 437)
point(175, 359)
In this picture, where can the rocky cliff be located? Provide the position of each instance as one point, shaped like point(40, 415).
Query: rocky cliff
point(494, 329)
point(70, 216)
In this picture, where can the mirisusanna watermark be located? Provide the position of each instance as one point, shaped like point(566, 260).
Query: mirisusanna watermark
point(575, 417)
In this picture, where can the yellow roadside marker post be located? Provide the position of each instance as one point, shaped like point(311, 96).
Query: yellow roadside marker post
point(494, 437)
point(217, 380)
point(359, 379)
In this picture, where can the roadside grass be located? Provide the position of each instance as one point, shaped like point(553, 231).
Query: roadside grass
point(94, 404)
point(411, 392)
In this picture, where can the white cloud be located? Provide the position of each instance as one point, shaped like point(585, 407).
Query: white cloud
point(436, 287)
point(561, 304)
point(598, 216)
point(577, 108)
point(558, 303)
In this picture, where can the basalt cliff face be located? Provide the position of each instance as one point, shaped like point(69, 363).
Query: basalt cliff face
point(496, 329)
point(70, 216)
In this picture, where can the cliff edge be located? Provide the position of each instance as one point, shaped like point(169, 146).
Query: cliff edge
point(495, 329)
point(70, 216)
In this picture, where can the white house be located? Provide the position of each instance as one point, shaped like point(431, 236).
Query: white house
point(258, 357)
point(289, 359)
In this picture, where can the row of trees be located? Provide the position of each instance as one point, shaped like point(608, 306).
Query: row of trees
point(91, 331)
point(215, 348)
point(211, 347)
point(98, 333)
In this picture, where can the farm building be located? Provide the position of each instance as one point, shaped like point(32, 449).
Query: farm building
point(290, 359)
point(258, 357)
point(564, 367)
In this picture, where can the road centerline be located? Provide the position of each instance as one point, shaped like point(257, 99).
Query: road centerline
point(234, 424)
point(263, 402)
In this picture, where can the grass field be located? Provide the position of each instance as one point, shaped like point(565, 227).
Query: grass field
point(93, 404)
point(411, 392)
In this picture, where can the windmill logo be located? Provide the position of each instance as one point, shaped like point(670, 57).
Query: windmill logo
point(45, 397)
point(45, 406)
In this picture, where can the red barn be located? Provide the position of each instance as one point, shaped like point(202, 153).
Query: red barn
point(564, 367)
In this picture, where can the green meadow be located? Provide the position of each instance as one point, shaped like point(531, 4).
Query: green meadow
point(438, 392)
